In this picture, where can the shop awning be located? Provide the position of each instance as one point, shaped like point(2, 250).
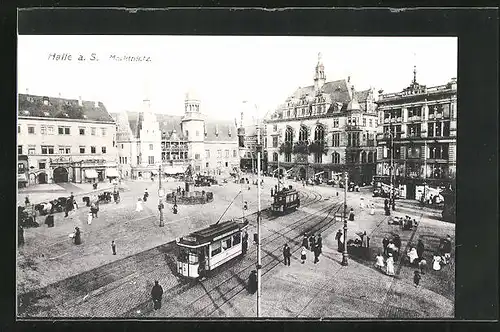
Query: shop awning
point(155, 172)
point(21, 178)
point(112, 173)
point(174, 170)
point(91, 174)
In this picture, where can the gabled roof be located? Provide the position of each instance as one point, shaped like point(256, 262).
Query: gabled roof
point(62, 108)
point(218, 130)
point(171, 126)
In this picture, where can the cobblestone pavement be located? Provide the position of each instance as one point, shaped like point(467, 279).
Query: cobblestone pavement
point(121, 288)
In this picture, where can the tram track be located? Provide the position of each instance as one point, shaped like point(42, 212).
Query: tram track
point(68, 292)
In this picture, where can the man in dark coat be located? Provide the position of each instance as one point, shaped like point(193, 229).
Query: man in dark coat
point(156, 294)
point(174, 209)
point(316, 251)
point(286, 254)
point(385, 243)
point(397, 243)
point(272, 192)
point(319, 243)
point(252, 282)
point(77, 238)
point(420, 249)
point(312, 242)
point(305, 242)
point(338, 236)
point(244, 243)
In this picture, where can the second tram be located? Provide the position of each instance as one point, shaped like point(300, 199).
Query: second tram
point(285, 200)
point(206, 249)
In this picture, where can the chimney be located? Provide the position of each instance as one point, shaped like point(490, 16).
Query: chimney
point(80, 102)
point(348, 79)
point(27, 91)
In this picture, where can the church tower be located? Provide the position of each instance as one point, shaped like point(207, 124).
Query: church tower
point(193, 129)
point(319, 75)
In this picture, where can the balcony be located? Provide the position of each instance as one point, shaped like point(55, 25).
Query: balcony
point(415, 118)
point(352, 127)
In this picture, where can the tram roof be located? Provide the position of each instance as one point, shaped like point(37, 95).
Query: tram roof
point(211, 232)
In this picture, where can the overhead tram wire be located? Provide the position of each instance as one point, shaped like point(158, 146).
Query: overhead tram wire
point(227, 208)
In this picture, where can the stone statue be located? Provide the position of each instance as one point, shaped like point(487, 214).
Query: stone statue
point(189, 174)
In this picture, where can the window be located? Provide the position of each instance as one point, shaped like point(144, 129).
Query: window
point(63, 130)
point(234, 153)
point(207, 153)
point(336, 139)
point(275, 127)
point(413, 152)
point(47, 149)
point(289, 135)
point(19, 149)
point(122, 146)
point(430, 129)
point(103, 131)
point(206, 165)
point(219, 153)
point(216, 248)
point(226, 243)
point(370, 122)
point(82, 149)
point(438, 127)
point(197, 168)
point(92, 149)
point(31, 129)
point(21, 168)
point(439, 151)
point(227, 164)
point(197, 156)
point(335, 123)
point(18, 129)
point(43, 130)
point(41, 165)
point(31, 150)
point(50, 130)
point(319, 133)
point(414, 130)
point(275, 156)
point(226, 152)
point(219, 164)
point(335, 158)
point(353, 139)
point(64, 150)
point(414, 112)
point(318, 157)
point(151, 160)
point(82, 131)
point(92, 131)
point(364, 122)
point(303, 135)
point(275, 141)
point(288, 157)
point(150, 147)
point(103, 149)
point(236, 239)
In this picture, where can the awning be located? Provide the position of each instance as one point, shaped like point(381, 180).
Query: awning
point(91, 174)
point(174, 170)
point(21, 178)
point(112, 173)
point(154, 172)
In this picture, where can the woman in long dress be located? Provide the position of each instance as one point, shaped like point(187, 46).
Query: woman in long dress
point(436, 265)
point(138, 207)
point(412, 255)
point(372, 209)
point(379, 261)
point(390, 265)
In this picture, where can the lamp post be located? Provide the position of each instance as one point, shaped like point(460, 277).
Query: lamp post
point(344, 253)
point(278, 171)
point(160, 195)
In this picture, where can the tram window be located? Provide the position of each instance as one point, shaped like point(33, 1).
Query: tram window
point(216, 248)
point(226, 244)
point(193, 257)
point(236, 239)
point(183, 255)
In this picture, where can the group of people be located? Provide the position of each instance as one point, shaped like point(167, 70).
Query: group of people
point(312, 243)
point(388, 204)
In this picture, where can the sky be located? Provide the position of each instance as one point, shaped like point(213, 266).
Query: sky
point(224, 71)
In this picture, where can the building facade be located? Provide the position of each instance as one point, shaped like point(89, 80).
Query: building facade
point(418, 130)
point(324, 129)
point(147, 140)
point(66, 140)
point(247, 133)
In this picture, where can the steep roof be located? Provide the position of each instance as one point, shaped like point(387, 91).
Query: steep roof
point(220, 130)
point(33, 106)
point(169, 124)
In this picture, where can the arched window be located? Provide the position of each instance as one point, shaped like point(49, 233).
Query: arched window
point(303, 134)
point(370, 157)
point(335, 158)
point(319, 133)
point(363, 157)
point(289, 135)
point(275, 156)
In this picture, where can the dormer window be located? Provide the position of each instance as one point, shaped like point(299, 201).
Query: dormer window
point(30, 99)
point(46, 113)
point(26, 112)
point(84, 116)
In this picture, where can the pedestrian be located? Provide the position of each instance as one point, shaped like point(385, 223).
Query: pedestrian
point(385, 243)
point(77, 236)
point(397, 243)
point(113, 247)
point(26, 201)
point(436, 264)
point(305, 242)
point(372, 209)
point(364, 244)
point(303, 255)
point(244, 243)
point(420, 249)
point(422, 265)
point(272, 193)
point(312, 242)
point(319, 242)
point(74, 204)
point(393, 204)
point(379, 261)
point(156, 294)
point(286, 254)
point(446, 248)
point(89, 218)
point(317, 252)
point(66, 209)
point(174, 209)
point(146, 195)
point(138, 206)
point(351, 215)
point(412, 256)
point(338, 237)
point(252, 282)
point(390, 265)
point(416, 278)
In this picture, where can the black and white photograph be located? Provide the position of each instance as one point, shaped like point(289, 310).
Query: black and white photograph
point(184, 176)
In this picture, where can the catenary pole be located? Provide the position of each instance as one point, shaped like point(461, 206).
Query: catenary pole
point(344, 253)
point(259, 263)
point(160, 197)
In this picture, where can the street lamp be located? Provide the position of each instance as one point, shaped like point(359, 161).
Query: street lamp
point(160, 196)
point(344, 253)
point(278, 171)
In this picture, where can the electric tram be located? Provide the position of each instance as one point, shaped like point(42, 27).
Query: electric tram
point(206, 249)
point(285, 200)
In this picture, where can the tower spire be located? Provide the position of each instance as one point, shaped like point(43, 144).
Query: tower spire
point(414, 74)
point(319, 74)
